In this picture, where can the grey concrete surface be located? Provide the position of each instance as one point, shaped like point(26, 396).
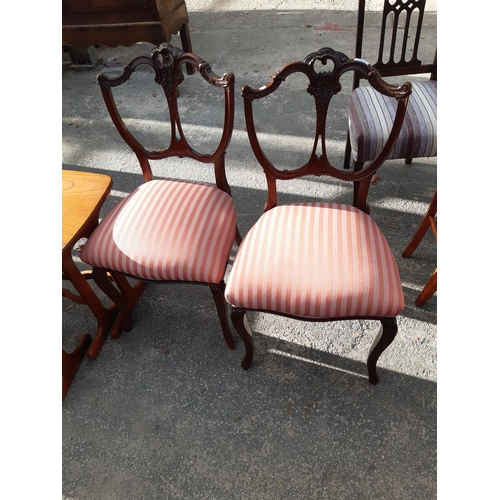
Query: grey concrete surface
point(166, 412)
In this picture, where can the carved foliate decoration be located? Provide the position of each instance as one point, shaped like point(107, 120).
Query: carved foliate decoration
point(378, 84)
point(106, 82)
point(322, 85)
point(324, 55)
point(168, 74)
point(326, 83)
point(323, 89)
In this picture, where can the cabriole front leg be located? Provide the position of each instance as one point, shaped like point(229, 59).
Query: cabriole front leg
point(240, 323)
point(383, 340)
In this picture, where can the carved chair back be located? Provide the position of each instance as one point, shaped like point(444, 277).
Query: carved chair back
point(167, 63)
point(323, 86)
point(401, 23)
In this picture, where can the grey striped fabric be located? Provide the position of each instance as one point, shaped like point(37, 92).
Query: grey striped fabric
point(371, 115)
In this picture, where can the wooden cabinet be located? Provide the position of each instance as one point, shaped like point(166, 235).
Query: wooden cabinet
point(86, 23)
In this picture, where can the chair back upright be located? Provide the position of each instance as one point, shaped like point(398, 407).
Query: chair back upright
point(167, 62)
point(401, 23)
point(323, 86)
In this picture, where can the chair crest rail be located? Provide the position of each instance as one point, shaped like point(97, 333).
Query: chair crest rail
point(323, 85)
point(167, 62)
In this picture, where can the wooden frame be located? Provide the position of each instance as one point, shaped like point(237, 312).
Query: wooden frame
point(167, 62)
point(322, 86)
point(83, 195)
point(402, 60)
point(124, 22)
point(392, 59)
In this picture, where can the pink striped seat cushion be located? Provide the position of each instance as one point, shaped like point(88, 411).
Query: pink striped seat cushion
point(166, 230)
point(316, 260)
point(371, 116)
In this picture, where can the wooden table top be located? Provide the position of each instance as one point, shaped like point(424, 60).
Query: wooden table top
point(83, 194)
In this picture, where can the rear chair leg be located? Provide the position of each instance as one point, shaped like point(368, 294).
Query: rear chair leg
point(347, 153)
point(428, 291)
point(383, 340)
point(240, 323)
point(103, 281)
point(221, 304)
point(424, 225)
point(186, 46)
point(132, 294)
point(360, 189)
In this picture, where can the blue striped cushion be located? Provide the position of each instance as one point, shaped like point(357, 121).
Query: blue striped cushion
point(371, 115)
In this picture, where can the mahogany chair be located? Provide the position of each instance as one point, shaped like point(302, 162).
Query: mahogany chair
point(168, 230)
point(318, 261)
point(370, 113)
point(428, 221)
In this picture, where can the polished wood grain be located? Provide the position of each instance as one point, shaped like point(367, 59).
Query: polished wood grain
point(83, 195)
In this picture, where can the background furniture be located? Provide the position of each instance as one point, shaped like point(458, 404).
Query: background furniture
point(121, 22)
point(317, 261)
point(370, 114)
point(428, 221)
point(83, 195)
point(168, 230)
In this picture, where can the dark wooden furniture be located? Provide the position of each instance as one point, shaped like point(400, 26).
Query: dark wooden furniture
point(121, 22)
point(317, 261)
point(428, 221)
point(400, 35)
point(169, 231)
point(400, 31)
point(83, 194)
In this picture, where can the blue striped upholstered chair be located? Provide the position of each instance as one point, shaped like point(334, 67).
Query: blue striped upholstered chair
point(317, 261)
point(370, 119)
point(168, 230)
point(370, 113)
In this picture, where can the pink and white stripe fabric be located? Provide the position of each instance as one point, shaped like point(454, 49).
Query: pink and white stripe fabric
point(166, 230)
point(316, 260)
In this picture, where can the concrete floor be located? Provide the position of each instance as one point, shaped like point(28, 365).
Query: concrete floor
point(166, 410)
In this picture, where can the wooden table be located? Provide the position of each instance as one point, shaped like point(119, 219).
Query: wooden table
point(83, 195)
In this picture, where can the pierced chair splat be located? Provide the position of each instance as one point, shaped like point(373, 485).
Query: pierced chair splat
point(318, 261)
point(370, 112)
point(168, 230)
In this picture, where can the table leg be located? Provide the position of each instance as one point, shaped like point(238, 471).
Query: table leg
point(105, 317)
point(71, 362)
